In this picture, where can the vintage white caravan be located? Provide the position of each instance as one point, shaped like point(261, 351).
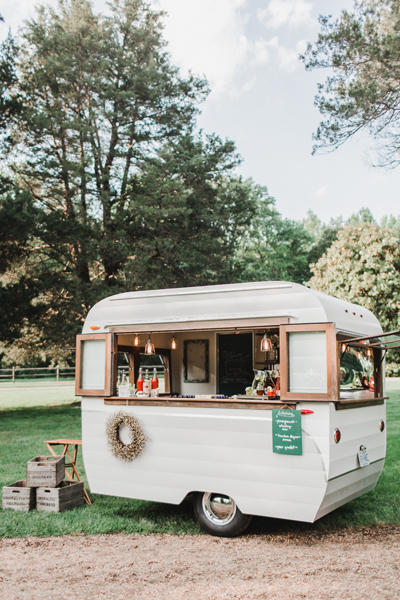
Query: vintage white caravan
point(311, 440)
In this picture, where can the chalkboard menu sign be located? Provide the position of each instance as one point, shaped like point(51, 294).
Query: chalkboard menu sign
point(286, 432)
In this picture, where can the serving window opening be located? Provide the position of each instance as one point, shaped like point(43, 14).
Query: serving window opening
point(362, 363)
point(228, 364)
point(290, 362)
point(357, 369)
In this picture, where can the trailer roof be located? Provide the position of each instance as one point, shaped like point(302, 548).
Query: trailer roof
point(276, 301)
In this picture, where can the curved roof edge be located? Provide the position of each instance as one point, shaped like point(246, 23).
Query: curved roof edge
point(277, 299)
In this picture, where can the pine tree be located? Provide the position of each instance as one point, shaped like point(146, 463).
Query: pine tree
point(361, 51)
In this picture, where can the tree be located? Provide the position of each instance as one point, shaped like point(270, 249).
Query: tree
point(361, 49)
point(363, 266)
point(10, 103)
point(100, 93)
point(189, 214)
point(16, 290)
point(273, 248)
point(17, 212)
point(323, 234)
point(364, 215)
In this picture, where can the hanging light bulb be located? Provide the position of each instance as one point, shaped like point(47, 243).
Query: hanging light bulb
point(266, 344)
point(370, 352)
point(136, 340)
point(344, 348)
point(173, 343)
point(149, 347)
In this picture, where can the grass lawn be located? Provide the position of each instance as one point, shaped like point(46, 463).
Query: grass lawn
point(29, 395)
point(38, 382)
point(23, 429)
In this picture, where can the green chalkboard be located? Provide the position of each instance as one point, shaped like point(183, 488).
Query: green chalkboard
point(286, 432)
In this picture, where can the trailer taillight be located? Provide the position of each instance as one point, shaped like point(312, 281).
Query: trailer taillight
point(337, 435)
point(307, 412)
point(381, 424)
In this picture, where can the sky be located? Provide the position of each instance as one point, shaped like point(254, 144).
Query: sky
point(263, 99)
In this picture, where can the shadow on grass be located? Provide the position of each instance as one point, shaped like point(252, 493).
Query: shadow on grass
point(156, 510)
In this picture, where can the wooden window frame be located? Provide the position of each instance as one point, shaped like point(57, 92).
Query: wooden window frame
point(331, 362)
point(109, 363)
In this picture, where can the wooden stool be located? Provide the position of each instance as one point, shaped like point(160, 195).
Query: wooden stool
point(66, 443)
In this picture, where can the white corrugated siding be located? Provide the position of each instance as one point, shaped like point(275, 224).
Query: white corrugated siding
point(230, 451)
point(223, 450)
point(357, 426)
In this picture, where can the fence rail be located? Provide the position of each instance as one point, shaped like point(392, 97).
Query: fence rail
point(58, 373)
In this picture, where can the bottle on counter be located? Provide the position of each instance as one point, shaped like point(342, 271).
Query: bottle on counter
point(154, 383)
point(146, 384)
point(277, 388)
point(123, 385)
point(371, 383)
point(139, 382)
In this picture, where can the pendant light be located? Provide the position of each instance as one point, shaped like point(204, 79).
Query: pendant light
point(136, 340)
point(266, 344)
point(173, 343)
point(149, 347)
point(344, 348)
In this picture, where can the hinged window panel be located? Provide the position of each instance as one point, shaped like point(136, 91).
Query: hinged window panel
point(308, 361)
point(93, 375)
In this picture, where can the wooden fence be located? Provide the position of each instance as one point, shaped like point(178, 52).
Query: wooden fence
point(57, 373)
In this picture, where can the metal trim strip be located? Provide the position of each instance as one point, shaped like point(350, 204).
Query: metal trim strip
point(356, 469)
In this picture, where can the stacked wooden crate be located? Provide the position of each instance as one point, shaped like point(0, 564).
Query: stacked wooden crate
point(44, 487)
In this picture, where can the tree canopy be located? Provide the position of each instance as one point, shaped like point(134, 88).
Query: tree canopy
point(363, 266)
point(361, 51)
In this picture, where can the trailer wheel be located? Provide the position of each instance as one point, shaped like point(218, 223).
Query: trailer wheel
point(219, 515)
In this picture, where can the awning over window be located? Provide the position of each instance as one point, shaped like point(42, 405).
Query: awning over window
point(388, 340)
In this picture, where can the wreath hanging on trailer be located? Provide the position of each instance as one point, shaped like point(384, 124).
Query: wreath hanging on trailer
point(125, 451)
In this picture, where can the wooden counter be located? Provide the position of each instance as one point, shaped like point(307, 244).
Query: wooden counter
point(240, 403)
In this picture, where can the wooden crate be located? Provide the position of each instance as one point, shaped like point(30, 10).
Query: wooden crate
point(45, 471)
point(67, 495)
point(18, 496)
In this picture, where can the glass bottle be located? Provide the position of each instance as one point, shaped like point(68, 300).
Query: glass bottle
point(146, 384)
point(139, 383)
point(154, 383)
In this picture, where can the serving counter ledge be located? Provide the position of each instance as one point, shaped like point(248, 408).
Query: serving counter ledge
point(201, 402)
point(240, 403)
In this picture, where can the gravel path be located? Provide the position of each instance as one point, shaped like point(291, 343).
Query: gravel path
point(351, 565)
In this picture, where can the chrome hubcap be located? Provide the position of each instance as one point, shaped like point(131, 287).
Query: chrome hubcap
point(218, 508)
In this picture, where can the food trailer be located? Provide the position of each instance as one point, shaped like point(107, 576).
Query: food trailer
point(265, 399)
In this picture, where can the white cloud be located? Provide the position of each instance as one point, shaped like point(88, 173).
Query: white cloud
point(321, 192)
point(289, 57)
point(272, 49)
point(207, 38)
point(286, 12)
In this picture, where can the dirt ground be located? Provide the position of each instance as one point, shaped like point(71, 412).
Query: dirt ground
point(351, 565)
